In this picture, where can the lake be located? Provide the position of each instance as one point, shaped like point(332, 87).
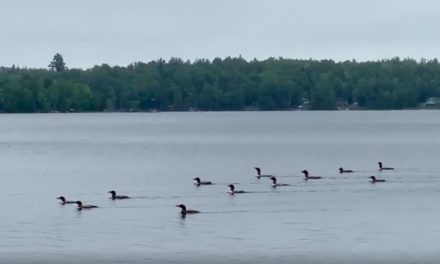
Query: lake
point(341, 218)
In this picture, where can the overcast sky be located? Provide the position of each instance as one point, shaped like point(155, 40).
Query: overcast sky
point(119, 32)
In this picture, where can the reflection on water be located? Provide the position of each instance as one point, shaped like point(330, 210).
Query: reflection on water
point(153, 158)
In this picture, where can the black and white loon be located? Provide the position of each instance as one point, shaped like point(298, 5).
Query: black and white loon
point(64, 201)
point(384, 168)
point(232, 189)
point(307, 177)
point(118, 197)
point(85, 206)
point(259, 175)
point(200, 182)
point(374, 180)
point(184, 211)
point(275, 184)
point(341, 170)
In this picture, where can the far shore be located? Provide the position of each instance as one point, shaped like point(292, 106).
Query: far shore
point(213, 111)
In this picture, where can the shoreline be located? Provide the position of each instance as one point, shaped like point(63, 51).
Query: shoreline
point(220, 111)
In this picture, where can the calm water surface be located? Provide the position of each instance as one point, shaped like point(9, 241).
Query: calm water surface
point(154, 157)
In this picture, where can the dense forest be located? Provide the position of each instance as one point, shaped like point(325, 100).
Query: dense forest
point(221, 84)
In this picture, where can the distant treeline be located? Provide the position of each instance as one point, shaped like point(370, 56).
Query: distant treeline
point(221, 84)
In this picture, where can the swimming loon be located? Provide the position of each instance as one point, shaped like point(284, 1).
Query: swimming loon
point(307, 177)
point(374, 180)
point(232, 189)
point(184, 211)
point(64, 201)
point(275, 184)
point(118, 197)
point(84, 206)
point(259, 175)
point(384, 168)
point(200, 182)
point(341, 170)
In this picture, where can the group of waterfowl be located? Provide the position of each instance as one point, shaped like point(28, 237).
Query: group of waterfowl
point(198, 182)
point(81, 206)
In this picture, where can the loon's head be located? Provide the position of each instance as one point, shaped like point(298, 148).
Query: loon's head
point(372, 178)
point(273, 179)
point(232, 187)
point(79, 203)
point(61, 198)
point(380, 164)
point(258, 171)
point(181, 206)
point(197, 179)
point(306, 172)
point(341, 169)
point(113, 193)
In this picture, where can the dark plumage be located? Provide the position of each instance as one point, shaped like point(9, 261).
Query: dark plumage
point(374, 180)
point(381, 168)
point(307, 177)
point(200, 182)
point(85, 206)
point(259, 175)
point(232, 189)
point(64, 201)
point(275, 184)
point(341, 170)
point(185, 211)
point(118, 197)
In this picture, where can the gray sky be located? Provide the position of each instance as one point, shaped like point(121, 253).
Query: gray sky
point(119, 32)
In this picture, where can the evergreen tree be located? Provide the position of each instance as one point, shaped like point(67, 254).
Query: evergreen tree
point(57, 64)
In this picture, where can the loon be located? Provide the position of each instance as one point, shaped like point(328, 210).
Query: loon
point(259, 175)
point(85, 206)
point(374, 180)
point(341, 170)
point(275, 184)
point(64, 201)
point(184, 211)
point(307, 177)
point(200, 182)
point(232, 189)
point(384, 168)
point(118, 197)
